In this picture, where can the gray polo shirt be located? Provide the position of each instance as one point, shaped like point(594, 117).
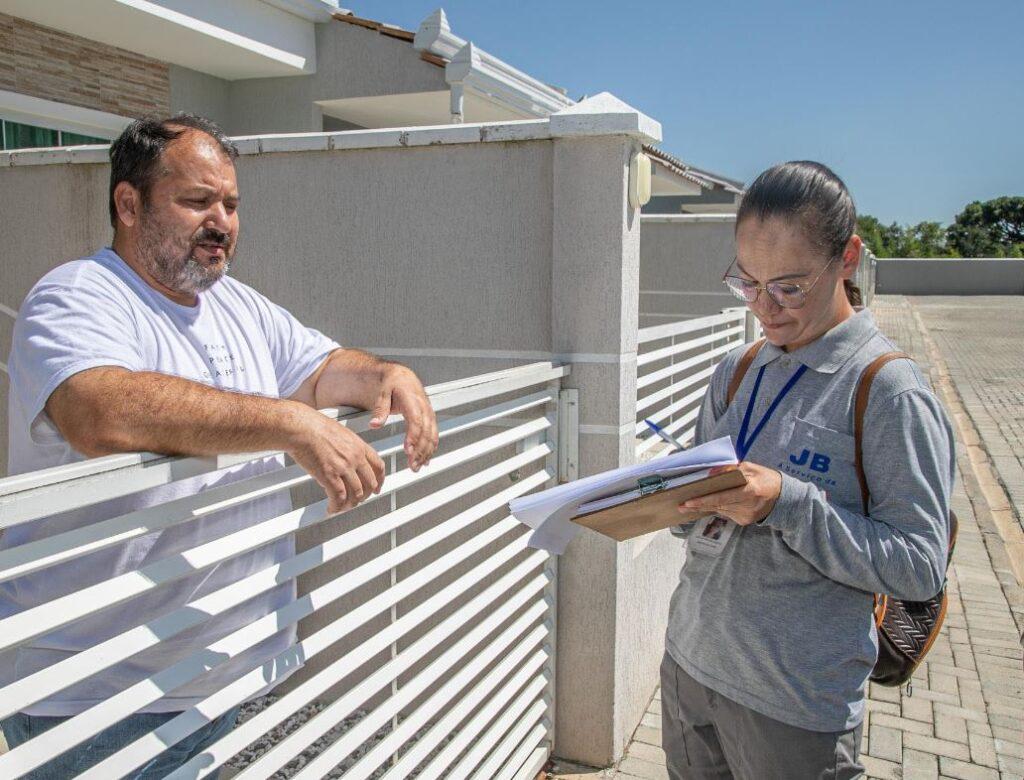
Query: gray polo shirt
point(780, 620)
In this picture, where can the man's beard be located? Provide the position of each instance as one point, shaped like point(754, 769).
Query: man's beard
point(172, 261)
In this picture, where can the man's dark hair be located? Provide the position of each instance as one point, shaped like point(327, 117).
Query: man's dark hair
point(135, 154)
point(812, 195)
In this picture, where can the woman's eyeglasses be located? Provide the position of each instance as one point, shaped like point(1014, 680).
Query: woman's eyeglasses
point(788, 295)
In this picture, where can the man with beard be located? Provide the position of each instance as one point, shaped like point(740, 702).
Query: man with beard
point(148, 345)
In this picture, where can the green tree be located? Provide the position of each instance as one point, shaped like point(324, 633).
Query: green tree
point(883, 240)
point(927, 239)
point(994, 228)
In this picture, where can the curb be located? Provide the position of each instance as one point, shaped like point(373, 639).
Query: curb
point(998, 507)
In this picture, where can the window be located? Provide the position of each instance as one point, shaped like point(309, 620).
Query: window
point(17, 135)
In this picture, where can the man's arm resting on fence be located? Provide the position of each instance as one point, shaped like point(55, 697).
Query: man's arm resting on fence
point(107, 410)
point(352, 377)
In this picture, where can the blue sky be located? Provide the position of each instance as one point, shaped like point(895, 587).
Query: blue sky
point(918, 105)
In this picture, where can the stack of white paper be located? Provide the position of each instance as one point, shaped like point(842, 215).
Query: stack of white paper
point(550, 512)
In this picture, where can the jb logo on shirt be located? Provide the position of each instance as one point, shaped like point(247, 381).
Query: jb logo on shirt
point(818, 462)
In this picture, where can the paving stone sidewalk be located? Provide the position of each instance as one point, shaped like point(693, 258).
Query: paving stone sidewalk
point(980, 338)
point(965, 718)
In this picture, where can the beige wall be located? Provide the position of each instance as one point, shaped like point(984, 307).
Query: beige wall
point(681, 267)
point(199, 93)
point(49, 64)
point(382, 248)
point(376, 248)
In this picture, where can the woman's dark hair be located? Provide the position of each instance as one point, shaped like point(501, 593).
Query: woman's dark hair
point(135, 154)
point(811, 193)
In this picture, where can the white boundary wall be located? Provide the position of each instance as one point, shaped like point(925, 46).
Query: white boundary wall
point(682, 259)
point(460, 249)
point(950, 276)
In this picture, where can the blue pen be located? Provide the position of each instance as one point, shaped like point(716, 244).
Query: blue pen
point(666, 436)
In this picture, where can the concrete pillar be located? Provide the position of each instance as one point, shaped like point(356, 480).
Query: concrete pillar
point(594, 311)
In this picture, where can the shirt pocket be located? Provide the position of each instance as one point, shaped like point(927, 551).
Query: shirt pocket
point(824, 457)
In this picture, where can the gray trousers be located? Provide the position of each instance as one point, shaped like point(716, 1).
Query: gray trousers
point(706, 735)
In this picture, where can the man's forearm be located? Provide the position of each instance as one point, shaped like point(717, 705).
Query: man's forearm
point(350, 377)
point(108, 410)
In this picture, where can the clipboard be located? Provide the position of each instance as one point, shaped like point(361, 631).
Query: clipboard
point(653, 505)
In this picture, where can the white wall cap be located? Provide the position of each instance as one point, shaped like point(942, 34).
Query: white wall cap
point(399, 137)
point(604, 114)
point(93, 153)
point(247, 144)
point(294, 142)
point(687, 218)
point(470, 132)
point(41, 156)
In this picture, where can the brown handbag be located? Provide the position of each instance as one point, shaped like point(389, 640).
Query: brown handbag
point(906, 629)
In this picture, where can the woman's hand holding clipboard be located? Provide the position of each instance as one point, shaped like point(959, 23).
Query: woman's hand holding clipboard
point(744, 504)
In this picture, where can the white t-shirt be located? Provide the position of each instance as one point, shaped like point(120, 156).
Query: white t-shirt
point(98, 312)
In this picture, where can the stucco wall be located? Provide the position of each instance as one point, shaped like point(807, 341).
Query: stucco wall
point(941, 276)
point(682, 260)
point(71, 200)
point(352, 61)
point(374, 247)
point(200, 93)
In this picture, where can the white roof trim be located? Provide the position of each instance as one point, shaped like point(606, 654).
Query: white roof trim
point(484, 73)
point(31, 110)
point(299, 62)
point(505, 87)
point(310, 10)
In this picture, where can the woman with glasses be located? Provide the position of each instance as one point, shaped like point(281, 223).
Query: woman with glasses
point(771, 637)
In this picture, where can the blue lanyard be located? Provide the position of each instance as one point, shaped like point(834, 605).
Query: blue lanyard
point(743, 444)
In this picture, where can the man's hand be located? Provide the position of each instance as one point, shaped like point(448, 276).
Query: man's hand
point(352, 377)
point(744, 505)
point(401, 392)
point(345, 466)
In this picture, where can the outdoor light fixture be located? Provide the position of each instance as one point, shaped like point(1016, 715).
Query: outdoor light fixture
point(639, 180)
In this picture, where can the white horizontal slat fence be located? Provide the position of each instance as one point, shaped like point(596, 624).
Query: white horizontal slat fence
point(426, 640)
point(675, 362)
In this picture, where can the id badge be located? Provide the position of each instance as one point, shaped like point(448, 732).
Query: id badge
point(710, 535)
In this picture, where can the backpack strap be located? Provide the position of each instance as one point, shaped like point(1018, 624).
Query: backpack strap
point(741, 369)
point(860, 407)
